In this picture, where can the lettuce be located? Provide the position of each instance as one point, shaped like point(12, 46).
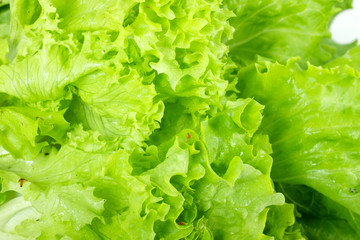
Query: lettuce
point(4, 30)
point(302, 107)
point(281, 29)
point(164, 119)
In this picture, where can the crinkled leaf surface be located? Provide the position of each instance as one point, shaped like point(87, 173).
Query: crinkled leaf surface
point(311, 118)
point(124, 119)
point(282, 29)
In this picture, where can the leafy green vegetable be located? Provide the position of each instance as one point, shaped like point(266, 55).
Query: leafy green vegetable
point(165, 119)
point(4, 30)
point(311, 118)
point(282, 29)
point(351, 58)
point(322, 212)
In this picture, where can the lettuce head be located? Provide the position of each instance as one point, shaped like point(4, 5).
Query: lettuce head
point(166, 119)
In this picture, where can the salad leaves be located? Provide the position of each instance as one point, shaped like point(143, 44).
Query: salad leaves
point(299, 118)
point(191, 119)
point(281, 29)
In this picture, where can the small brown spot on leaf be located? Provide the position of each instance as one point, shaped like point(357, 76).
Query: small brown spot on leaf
point(188, 136)
point(22, 181)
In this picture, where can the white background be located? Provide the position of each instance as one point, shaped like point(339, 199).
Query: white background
point(346, 26)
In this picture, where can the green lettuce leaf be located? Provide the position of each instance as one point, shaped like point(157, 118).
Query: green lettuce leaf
point(281, 29)
point(115, 112)
point(25, 132)
point(14, 211)
point(351, 58)
point(279, 219)
point(239, 176)
point(91, 15)
point(58, 185)
point(311, 117)
point(211, 191)
point(44, 75)
point(237, 173)
point(4, 30)
point(319, 213)
point(127, 119)
point(322, 228)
